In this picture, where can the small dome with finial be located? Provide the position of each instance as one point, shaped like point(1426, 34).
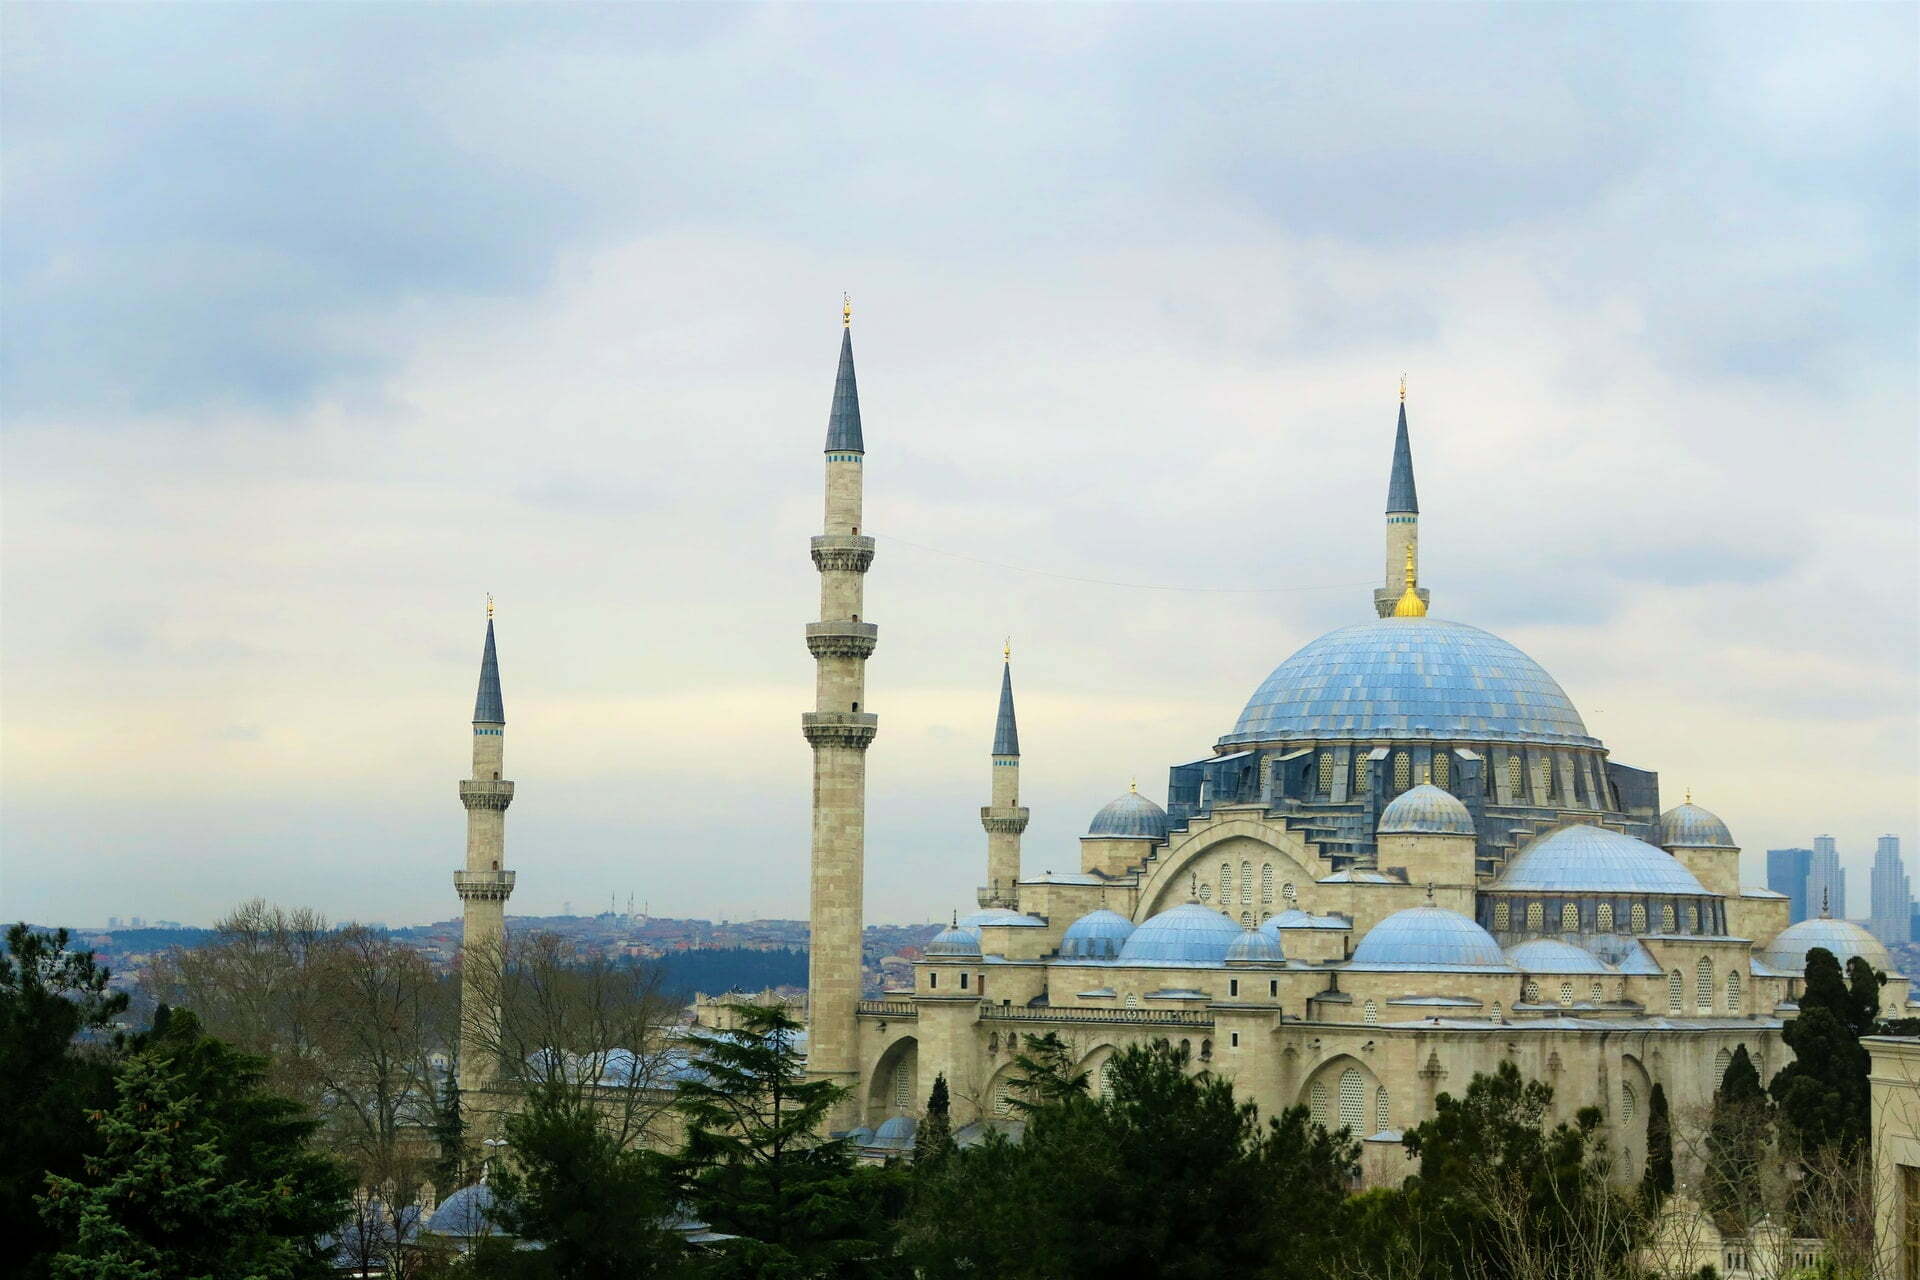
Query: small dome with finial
point(1688, 826)
point(953, 943)
point(1255, 947)
point(1132, 816)
point(1425, 810)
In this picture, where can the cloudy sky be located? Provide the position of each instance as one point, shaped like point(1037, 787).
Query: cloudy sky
point(323, 321)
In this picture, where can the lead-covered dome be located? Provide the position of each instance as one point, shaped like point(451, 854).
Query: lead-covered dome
point(1549, 955)
point(1428, 938)
point(1187, 934)
point(1583, 859)
point(467, 1212)
point(1845, 939)
point(1132, 816)
point(1411, 678)
point(1425, 810)
point(1688, 826)
point(1097, 935)
point(953, 943)
point(1255, 946)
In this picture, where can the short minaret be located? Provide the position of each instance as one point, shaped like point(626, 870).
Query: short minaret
point(1004, 819)
point(1403, 519)
point(839, 729)
point(483, 886)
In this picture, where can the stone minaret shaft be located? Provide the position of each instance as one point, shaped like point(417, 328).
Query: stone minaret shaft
point(483, 886)
point(1403, 521)
point(1004, 819)
point(839, 729)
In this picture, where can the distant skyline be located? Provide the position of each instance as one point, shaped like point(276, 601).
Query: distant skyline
point(326, 321)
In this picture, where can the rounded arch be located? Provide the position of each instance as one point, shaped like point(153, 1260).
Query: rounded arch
point(1212, 851)
point(1097, 1066)
point(893, 1086)
point(1342, 1092)
point(997, 1102)
point(1628, 1109)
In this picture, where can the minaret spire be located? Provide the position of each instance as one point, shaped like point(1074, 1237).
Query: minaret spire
point(484, 885)
point(1004, 819)
point(1403, 517)
point(839, 729)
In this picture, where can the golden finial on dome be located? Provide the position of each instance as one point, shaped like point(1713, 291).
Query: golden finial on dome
point(1403, 388)
point(489, 606)
point(1006, 650)
point(846, 310)
point(1410, 605)
point(1133, 786)
point(1689, 795)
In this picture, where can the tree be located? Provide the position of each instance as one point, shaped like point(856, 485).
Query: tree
point(1738, 1136)
point(452, 1156)
point(756, 1167)
point(1863, 986)
point(48, 996)
point(1822, 1094)
point(933, 1140)
point(1657, 1182)
point(1044, 1074)
point(201, 1173)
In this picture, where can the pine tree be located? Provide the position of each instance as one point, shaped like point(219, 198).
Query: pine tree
point(1822, 1094)
point(450, 1140)
point(1737, 1138)
point(1657, 1183)
point(933, 1140)
point(1045, 1075)
point(1863, 985)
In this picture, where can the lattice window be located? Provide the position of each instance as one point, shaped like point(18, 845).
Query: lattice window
point(1442, 769)
point(1498, 1013)
point(1693, 919)
point(1246, 884)
point(1593, 993)
point(1536, 917)
point(1371, 1014)
point(1326, 772)
point(1353, 1099)
point(1566, 993)
point(1703, 979)
point(1639, 917)
point(1629, 1104)
point(1502, 916)
point(1569, 917)
point(1721, 1061)
point(1544, 778)
point(1603, 917)
point(1530, 991)
point(1106, 1078)
point(902, 1085)
point(1402, 771)
point(1206, 893)
point(1668, 924)
point(1003, 1099)
point(1360, 775)
point(1288, 892)
point(1676, 991)
point(1132, 1001)
point(1733, 991)
point(1266, 882)
point(1516, 779)
point(1226, 882)
point(1246, 919)
point(1382, 1110)
point(1317, 1102)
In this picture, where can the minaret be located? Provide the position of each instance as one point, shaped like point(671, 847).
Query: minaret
point(839, 730)
point(1004, 819)
point(1403, 519)
point(483, 886)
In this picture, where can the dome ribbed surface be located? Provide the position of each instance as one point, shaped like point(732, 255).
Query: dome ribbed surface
point(1583, 859)
point(1548, 955)
point(464, 1213)
point(1188, 934)
point(1688, 826)
point(954, 943)
point(1428, 937)
point(1844, 938)
point(1255, 946)
point(1098, 935)
point(1413, 678)
point(1132, 816)
point(1425, 810)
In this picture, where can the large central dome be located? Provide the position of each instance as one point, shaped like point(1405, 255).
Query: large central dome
point(1418, 678)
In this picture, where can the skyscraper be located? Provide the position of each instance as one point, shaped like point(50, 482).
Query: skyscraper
point(1787, 873)
point(1826, 881)
point(1892, 901)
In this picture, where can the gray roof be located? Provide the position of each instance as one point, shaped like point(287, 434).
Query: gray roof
point(1098, 935)
point(1584, 859)
point(467, 1212)
point(1006, 734)
point(1254, 946)
point(487, 708)
point(1688, 826)
point(1428, 938)
point(843, 420)
point(1845, 939)
point(954, 944)
point(1132, 816)
point(1425, 810)
point(1401, 498)
point(1189, 934)
point(1549, 955)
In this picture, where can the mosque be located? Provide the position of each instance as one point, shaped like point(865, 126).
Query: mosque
point(1405, 861)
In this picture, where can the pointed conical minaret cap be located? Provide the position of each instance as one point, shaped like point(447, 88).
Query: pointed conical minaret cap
point(1006, 731)
point(487, 707)
point(1401, 498)
point(843, 420)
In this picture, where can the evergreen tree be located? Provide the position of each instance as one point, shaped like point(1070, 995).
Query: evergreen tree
point(1822, 1094)
point(755, 1165)
point(1044, 1074)
point(1737, 1139)
point(450, 1140)
point(1657, 1183)
point(933, 1140)
point(1863, 985)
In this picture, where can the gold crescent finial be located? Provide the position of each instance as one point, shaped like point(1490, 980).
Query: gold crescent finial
point(1006, 650)
point(489, 606)
point(1410, 578)
point(1410, 605)
point(1403, 388)
point(1133, 786)
point(1689, 795)
point(846, 310)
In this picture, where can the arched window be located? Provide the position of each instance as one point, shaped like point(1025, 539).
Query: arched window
point(1530, 991)
point(1106, 1078)
point(1382, 1111)
point(1370, 1014)
point(1516, 779)
point(1246, 919)
point(1593, 992)
point(1733, 991)
point(1536, 917)
point(1693, 919)
point(1246, 884)
point(1721, 1061)
point(1402, 771)
point(1206, 893)
point(1226, 882)
point(1603, 917)
point(1676, 991)
point(1317, 1102)
point(1003, 1099)
point(1667, 921)
point(1353, 1099)
point(1132, 1001)
point(1442, 769)
point(1502, 916)
point(1497, 1012)
point(1206, 1051)
point(1569, 917)
point(1266, 883)
point(1359, 775)
point(1703, 988)
point(1288, 892)
point(1545, 778)
point(1566, 993)
point(1326, 772)
point(1629, 1104)
point(902, 1085)
point(1639, 917)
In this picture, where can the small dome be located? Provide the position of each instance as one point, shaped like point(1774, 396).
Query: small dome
point(1425, 810)
point(1845, 939)
point(1583, 859)
point(1188, 934)
point(1132, 816)
point(464, 1213)
point(1688, 826)
point(999, 915)
point(953, 944)
point(1428, 937)
point(1098, 935)
point(1254, 946)
point(895, 1131)
point(1549, 955)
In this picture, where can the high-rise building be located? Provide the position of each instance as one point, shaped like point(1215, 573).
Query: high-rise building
point(1892, 899)
point(1826, 881)
point(1787, 873)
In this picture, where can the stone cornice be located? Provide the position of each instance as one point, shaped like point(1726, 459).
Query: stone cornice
point(849, 729)
point(842, 553)
point(485, 793)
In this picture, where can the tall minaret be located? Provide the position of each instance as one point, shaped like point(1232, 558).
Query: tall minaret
point(839, 729)
point(1004, 819)
point(483, 886)
point(1403, 520)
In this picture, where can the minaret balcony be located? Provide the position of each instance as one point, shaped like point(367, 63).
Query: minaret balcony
point(842, 639)
point(853, 729)
point(1009, 821)
point(485, 886)
point(842, 553)
point(485, 793)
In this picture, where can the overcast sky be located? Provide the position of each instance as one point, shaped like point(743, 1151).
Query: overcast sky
point(323, 321)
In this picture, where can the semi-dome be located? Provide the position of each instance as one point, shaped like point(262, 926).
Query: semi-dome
point(954, 943)
point(999, 916)
point(1425, 810)
point(894, 1131)
point(464, 1213)
point(1132, 816)
point(1583, 859)
point(1187, 934)
point(1549, 955)
point(1417, 678)
point(1428, 938)
point(1255, 946)
point(1688, 826)
point(1845, 939)
point(1098, 935)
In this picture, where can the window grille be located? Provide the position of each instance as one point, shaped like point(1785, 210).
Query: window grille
point(1288, 892)
point(1629, 1104)
point(1317, 1102)
point(1566, 993)
point(1246, 919)
point(1545, 770)
point(1326, 772)
point(1382, 1112)
point(1603, 917)
point(1371, 1014)
point(1226, 882)
point(1693, 919)
point(1502, 916)
point(1703, 993)
point(1402, 771)
point(1206, 893)
point(902, 1085)
point(1639, 917)
point(1536, 917)
point(1266, 882)
point(1106, 1078)
point(1676, 991)
point(1132, 1001)
point(1530, 992)
point(1246, 884)
point(1733, 991)
point(1569, 917)
point(1353, 1099)
point(1497, 1013)
point(1516, 780)
point(1360, 775)
point(1442, 769)
point(1593, 993)
point(1002, 1099)
point(1721, 1061)
point(1667, 921)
